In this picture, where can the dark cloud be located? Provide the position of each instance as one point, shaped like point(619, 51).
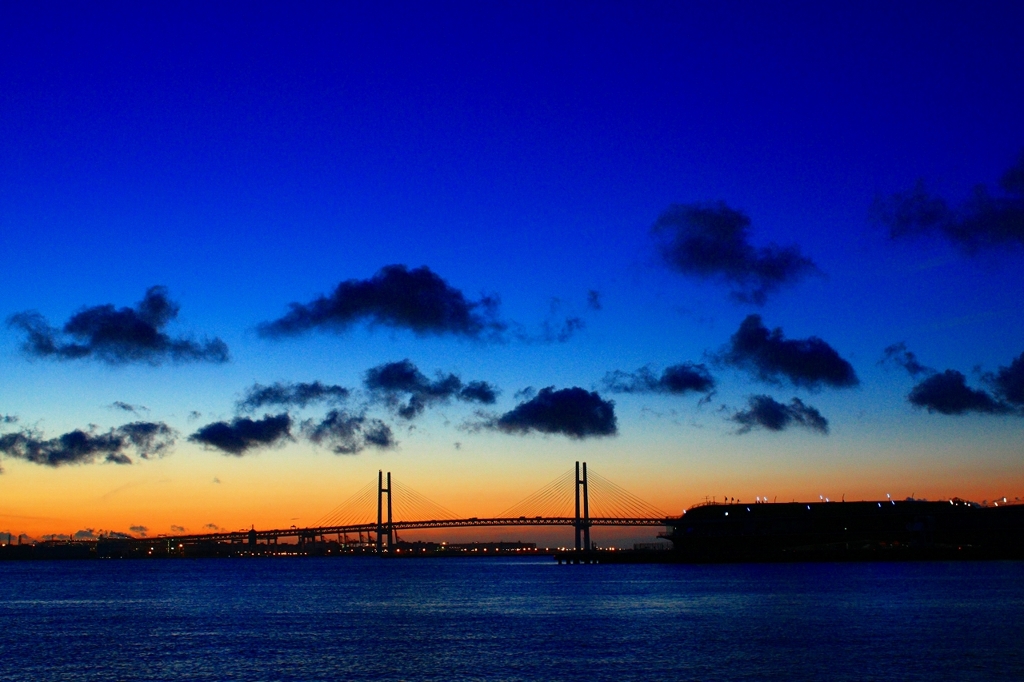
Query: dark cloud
point(212, 526)
point(91, 534)
point(1009, 381)
point(396, 297)
point(242, 434)
point(525, 393)
point(573, 412)
point(348, 434)
point(711, 241)
point(418, 300)
point(394, 381)
point(150, 439)
point(118, 336)
point(75, 447)
point(178, 529)
point(898, 354)
point(144, 439)
point(141, 530)
point(809, 362)
point(127, 407)
point(948, 393)
point(982, 222)
point(339, 430)
point(378, 434)
point(291, 395)
point(677, 380)
point(763, 412)
point(479, 392)
point(594, 299)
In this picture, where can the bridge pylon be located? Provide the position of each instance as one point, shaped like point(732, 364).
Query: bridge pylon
point(382, 529)
point(582, 523)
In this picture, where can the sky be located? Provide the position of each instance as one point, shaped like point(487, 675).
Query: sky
point(256, 252)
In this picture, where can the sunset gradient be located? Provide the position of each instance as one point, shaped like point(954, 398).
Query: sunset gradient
point(745, 247)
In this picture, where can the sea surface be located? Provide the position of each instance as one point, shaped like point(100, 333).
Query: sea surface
point(361, 618)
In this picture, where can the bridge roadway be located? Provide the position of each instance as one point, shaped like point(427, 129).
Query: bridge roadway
point(245, 535)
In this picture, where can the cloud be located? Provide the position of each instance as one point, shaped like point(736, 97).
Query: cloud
point(212, 526)
point(347, 434)
point(763, 412)
point(711, 241)
point(417, 300)
point(118, 534)
point(94, 534)
point(948, 393)
point(982, 222)
point(897, 354)
point(178, 529)
point(479, 392)
point(525, 393)
point(150, 439)
point(127, 407)
point(810, 363)
point(242, 434)
point(676, 380)
point(118, 336)
point(145, 439)
point(393, 381)
point(141, 530)
point(1009, 381)
point(291, 395)
point(573, 412)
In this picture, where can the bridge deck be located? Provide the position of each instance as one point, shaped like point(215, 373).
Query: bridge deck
point(244, 535)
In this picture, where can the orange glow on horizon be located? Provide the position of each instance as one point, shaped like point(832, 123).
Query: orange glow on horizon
point(226, 494)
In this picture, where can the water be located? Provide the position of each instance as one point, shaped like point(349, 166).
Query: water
point(507, 619)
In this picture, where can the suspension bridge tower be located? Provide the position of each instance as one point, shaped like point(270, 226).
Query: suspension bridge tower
point(582, 523)
point(382, 529)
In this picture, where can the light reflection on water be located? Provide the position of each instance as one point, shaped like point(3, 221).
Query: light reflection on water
point(508, 619)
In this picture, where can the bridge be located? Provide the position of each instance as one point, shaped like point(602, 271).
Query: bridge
point(565, 501)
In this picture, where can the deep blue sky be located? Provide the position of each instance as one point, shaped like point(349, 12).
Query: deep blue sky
point(252, 155)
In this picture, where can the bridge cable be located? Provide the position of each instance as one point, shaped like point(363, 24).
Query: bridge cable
point(611, 503)
point(553, 499)
point(409, 505)
point(359, 508)
point(606, 496)
point(541, 503)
